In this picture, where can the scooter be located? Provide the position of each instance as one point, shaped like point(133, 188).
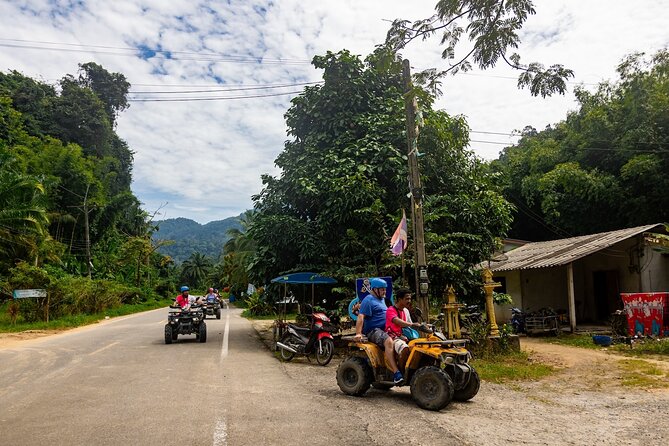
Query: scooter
point(517, 320)
point(316, 339)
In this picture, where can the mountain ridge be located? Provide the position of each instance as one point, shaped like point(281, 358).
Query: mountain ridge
point(190, 236)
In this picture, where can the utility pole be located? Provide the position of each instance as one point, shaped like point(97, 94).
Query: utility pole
point(88, 240)
point(420, 260)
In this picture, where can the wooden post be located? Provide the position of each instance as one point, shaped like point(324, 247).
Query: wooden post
point(570, 292)
point(420, 265)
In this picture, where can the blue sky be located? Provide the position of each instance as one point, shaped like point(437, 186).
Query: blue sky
point(203, 159)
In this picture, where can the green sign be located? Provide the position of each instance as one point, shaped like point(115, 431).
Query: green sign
point(22, 294)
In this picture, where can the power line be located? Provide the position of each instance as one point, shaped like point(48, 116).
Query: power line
point(156, 52)
point(216, 98)
point(240, 88)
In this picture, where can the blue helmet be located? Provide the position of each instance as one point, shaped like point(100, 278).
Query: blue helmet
point(377, 283)
point(184, 288)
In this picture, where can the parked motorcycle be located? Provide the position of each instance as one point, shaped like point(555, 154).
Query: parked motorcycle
point(518, 320)
point(316, 339)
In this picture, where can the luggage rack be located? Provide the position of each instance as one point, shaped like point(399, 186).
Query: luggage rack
point(542, 324)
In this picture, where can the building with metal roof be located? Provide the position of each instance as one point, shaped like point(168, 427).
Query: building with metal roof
point(584, 276)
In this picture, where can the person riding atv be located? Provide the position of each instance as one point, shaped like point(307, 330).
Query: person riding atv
point(212, 304)
point(437, 369)
point(185, 318)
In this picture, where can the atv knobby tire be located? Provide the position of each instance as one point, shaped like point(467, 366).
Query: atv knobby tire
point(218, 313)
point(470, 390)
point(354, 376)
point(169, 335)
point(202, 332)
point(432, 388)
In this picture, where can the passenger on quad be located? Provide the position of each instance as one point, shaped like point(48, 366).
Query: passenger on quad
point(372, 323)
point(397, 318)
point(183, 299)
point(211, 296)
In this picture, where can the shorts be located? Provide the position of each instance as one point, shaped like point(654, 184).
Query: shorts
point(378, 337)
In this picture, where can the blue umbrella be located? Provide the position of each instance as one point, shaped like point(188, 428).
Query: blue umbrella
point(305, 277)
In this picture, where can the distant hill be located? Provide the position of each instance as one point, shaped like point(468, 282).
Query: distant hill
point(190, 236)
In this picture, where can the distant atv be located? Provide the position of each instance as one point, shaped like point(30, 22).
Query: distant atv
point(437, 370)
point(212, 308)
point(189, 320)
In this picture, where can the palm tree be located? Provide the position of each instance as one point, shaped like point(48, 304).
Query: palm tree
point(196, 269)
point(239, 251)
point(23, 217)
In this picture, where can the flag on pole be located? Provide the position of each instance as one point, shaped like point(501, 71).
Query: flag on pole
point(398, 242)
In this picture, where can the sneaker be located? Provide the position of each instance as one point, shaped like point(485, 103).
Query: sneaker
point(398, 379)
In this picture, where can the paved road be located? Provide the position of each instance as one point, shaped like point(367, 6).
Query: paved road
point(118, 383)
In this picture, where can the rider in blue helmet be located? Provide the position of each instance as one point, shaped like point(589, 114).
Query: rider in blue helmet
point(372, 323)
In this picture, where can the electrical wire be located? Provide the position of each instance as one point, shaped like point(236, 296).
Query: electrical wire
point(239, 88)
point(217, 98)
point(157, 53)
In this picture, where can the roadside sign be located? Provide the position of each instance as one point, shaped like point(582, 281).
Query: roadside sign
point(22, 294)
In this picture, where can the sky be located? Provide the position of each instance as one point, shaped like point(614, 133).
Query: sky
point(203, 159)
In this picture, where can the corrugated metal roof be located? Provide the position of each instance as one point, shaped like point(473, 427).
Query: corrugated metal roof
point(563, 251)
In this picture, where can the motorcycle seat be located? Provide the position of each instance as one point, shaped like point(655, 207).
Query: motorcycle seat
point(300, 329)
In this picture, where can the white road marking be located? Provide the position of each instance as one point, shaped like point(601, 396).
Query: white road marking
point(226, 332)
point(220, 433)
point(103, 348)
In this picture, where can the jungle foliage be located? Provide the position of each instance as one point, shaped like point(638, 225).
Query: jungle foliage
point(604, 167)
point(60, 159)
point(343, 182)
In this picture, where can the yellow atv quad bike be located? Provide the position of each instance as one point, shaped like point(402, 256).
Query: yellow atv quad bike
point(437, 369)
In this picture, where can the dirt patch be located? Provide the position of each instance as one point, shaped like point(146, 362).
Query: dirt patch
point(10, 339)
point(586, 369)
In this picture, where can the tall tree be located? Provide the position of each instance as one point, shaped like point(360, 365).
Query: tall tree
point(491, 27)
point(343, 180)
point(604, 166)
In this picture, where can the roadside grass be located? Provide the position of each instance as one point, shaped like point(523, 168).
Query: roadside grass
point(640, 373)
point(658, 347)
point(573, 340)
point(516, 366)
point(267, 317)
point(644, 347)
point(76, 320)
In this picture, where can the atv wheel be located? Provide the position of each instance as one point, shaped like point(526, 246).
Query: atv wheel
point(324, 356)
point(202, 332)
point(218, 313)
point(169, 335)
point(287, 355)
point(354, 376)
point(432, 388)
point(470, 390)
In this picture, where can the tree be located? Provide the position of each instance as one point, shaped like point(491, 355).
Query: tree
point(491, 27)
point(23, 218)
point(110, 88)
point(603, 167)
point(343, 176)
point(238, 254)
point(195, 269)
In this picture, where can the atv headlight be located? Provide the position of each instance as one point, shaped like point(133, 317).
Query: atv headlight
point(448, 359)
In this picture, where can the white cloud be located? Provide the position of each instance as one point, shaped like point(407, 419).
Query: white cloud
point(205, 158)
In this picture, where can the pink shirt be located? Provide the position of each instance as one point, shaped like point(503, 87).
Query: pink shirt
point(394, 330)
